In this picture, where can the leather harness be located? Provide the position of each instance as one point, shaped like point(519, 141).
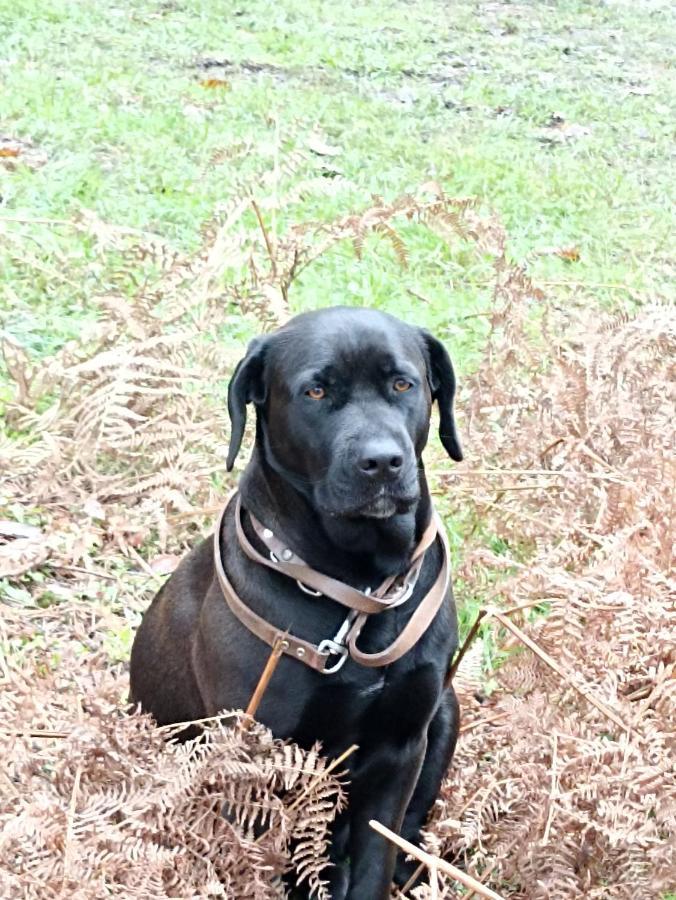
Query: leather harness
point(393, 592)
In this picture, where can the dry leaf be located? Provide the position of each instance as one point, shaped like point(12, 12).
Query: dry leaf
point(561, 132)
point(215, 84)
point(11, 529)
point(94, 509)
point(12, 148)
point(570, 254)
point(22, 555)
point(165, 563)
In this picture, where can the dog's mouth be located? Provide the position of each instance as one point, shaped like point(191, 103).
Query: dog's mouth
point(382, 505)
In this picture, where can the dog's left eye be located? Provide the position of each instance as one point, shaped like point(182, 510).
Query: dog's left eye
point(316, 393)
point(402, 384)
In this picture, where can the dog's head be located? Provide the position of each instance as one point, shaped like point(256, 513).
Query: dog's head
point(343, 399)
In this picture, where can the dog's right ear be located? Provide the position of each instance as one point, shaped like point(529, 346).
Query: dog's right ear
point(247, 385)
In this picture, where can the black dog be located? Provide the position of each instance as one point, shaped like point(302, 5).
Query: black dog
point(342, 399)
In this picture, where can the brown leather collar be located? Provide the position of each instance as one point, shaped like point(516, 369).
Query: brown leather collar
point(329, 655)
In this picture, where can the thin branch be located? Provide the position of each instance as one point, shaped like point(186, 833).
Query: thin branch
point(264, 681)
point(531, 604)
point(316, 781)
point(332, 766)
point(465, 647)
point(70, 827)
point(490, 720)
point(433, 862)
point(180, 726)
point(266, 237)
point(502, 488)
point(80, 570)
point(552, 792)
point(548, 473)
point(418, 296)
point(419, 869)
point(559, 669)
point(38, 734)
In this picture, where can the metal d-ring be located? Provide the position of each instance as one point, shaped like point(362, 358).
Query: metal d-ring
point(408, 590)
point(300, 584)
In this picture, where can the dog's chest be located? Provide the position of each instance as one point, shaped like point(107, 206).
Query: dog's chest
point(367, 706)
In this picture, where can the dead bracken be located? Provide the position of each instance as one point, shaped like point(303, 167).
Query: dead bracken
point(564, 781)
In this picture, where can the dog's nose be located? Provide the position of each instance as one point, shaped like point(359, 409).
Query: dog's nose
point(379, 459)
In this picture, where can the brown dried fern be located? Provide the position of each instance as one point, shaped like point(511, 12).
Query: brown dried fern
point(111, 807)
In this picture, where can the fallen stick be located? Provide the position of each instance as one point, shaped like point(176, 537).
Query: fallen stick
point(33, 733)
point(465, 647)
point(180, 726)
point(401, 893)
point(489, 720)
point(434, 863)
point(559, 669)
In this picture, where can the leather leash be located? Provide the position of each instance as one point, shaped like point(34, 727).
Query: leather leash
point(393, 592)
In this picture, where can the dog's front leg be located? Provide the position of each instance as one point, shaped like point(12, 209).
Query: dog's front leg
point(441, 738)
point(381, 789)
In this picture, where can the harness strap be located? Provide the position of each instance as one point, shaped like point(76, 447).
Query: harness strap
point(283, 559)
point(362, 605)
point(416, 626)
point(269, 634)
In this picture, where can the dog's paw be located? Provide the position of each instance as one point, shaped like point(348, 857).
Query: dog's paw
point(404, 870)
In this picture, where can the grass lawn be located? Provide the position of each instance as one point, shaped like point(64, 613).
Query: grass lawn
point(558, 116)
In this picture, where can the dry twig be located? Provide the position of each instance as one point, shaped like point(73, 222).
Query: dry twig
point(435, 864)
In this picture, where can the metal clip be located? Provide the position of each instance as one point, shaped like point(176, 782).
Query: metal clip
point(331, 648)
point(308, 590)
point(303, 587)
point(336, 646)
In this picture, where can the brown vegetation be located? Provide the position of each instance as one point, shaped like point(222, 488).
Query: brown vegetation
point(564, 782)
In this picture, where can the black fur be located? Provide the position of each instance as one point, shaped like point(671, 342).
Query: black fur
point(341, 478)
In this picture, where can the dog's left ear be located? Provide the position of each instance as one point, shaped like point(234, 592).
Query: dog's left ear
point(441, 379)
point(247, 385)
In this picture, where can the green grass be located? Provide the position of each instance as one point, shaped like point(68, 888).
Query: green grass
point(111, 95)
point(463, 92)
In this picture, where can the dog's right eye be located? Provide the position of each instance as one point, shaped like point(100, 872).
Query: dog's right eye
point(316, 393)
